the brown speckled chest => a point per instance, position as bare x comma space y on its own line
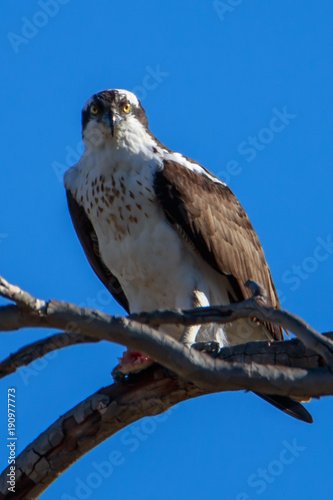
117, 201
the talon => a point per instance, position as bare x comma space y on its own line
117, 375
212, 347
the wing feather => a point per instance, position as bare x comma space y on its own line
89, 242
212, 219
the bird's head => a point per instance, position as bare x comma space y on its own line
112, 117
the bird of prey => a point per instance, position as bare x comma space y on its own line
161, 231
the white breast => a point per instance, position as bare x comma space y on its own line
154, 266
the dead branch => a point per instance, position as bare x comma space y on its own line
301, 367
39, 349
92, 422
200, 369
113, 408
286, 353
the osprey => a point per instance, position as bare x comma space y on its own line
161, 231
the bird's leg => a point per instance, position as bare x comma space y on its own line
188, 338
190, 333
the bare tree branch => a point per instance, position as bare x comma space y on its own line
246, 309
290, 353
200, 369
39, 349
90, 423
300, 367
113, 408
31, 307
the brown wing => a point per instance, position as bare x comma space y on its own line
89, 242
210, 216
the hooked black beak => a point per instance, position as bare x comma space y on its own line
110, 120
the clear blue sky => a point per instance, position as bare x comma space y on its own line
215, 79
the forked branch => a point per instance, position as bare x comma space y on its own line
301, 367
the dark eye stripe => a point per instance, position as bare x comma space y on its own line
107, 98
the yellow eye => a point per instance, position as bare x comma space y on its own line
94, 109
127, 108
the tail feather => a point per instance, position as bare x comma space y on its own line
288, 405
